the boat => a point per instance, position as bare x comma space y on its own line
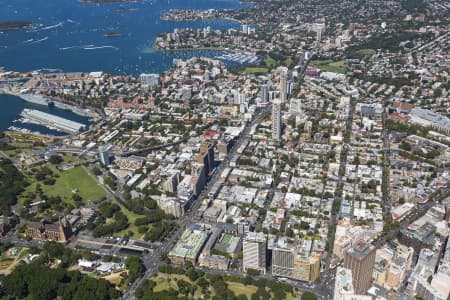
36, 99
112, 34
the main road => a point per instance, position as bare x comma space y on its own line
153, 260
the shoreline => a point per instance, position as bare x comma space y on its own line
192, 49
58, 104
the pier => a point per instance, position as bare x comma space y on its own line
52, 121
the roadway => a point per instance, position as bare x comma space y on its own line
328, 273
153, 260
385, 181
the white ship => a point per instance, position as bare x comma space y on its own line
36, 99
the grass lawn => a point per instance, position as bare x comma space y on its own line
131, 218
162, 281
70, 158
256, 70
290, 297
239, 288
366, 52
21, 147
288, 62
167, 281
270, 62
25, 142
330, 66
6, 262
75, 178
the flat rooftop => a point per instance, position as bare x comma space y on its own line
190, 244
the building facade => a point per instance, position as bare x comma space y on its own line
360, 259
59, 231
255, 247
283, 259
276, 120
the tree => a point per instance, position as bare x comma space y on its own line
97, 171
289, 232
38, 281
202, 283
135, 267
55, 159
253, 272
308, 296
77, 198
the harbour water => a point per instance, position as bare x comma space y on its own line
70, 34
12, 106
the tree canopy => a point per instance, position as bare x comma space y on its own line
37, 281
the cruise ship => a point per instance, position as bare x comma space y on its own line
36, 99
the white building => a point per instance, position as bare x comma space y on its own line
254, 250
149, 80
276, 120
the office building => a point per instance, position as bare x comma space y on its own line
276, 120
295, 108
215, 262
171, 205
307, 268
149, 80
426, 291
360, 259
206, 157
283, 258
264, 93
283, 86
103, 153
172, 181
254, 250
198, 180
295, 260
189, 245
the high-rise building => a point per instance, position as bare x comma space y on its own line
254, 250
198, 178
307, 268
295, 107
149, 80
171, 182
295, 260
103, 153
276, 120
360, 259
283, 258
264, 93
206, 157
283, 86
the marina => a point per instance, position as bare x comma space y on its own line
241, 57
